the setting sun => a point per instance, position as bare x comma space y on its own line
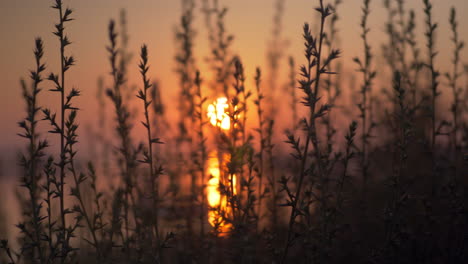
218, 115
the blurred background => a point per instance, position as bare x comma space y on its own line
153, 22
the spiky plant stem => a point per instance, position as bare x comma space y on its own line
434, 84
60, 29
35, 148
368, 76
389, 48
292, 88
329, 83
186, 71
62, 117
123, 128
203, 151
148, 156
271, 171
275, 54
453, 80
413, 81
49, 171
430, 36
65, 64
260, 130
349, 154
313, 53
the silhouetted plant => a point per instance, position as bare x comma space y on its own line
148, 156
201, 154
453, 78
310, 85
365, 67
33, 228
126, 149
275, 53
185, 69
221, 60
433, 86
65, 128
262, 141
332, 83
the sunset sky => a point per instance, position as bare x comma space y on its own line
152, 22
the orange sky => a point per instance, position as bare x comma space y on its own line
152, 22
